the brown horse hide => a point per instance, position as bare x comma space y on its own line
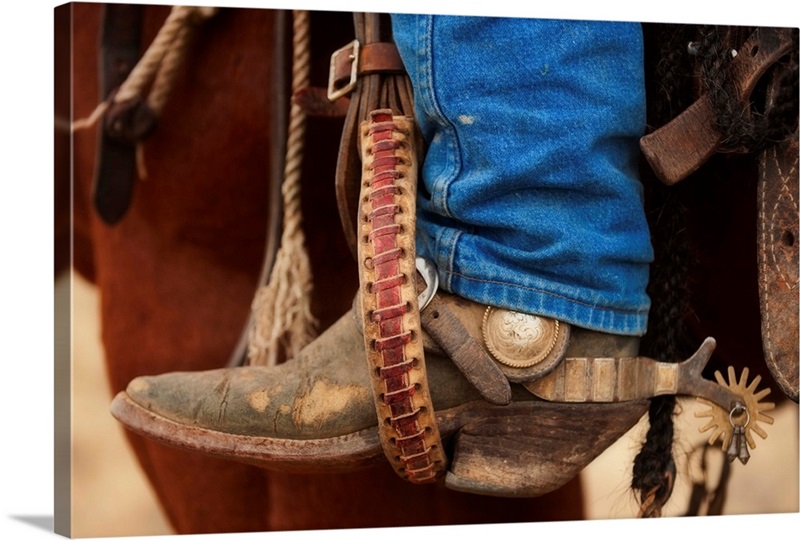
177, 274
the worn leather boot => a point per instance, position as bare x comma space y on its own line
317, 412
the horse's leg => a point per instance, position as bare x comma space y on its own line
340, 501
176, 275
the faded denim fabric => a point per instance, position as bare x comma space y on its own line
529, 196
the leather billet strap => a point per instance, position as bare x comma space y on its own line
389, 305
115, 167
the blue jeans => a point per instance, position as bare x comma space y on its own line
529, 195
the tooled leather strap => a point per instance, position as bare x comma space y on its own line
389, 308
778, 232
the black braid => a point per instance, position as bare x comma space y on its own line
654, 467
745, 128
666, 340
673, 73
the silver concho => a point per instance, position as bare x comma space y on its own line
518, 339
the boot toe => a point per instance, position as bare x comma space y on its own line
203, 399
240, 402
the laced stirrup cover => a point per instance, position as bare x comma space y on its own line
390, 312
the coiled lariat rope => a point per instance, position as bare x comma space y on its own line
156, 70
282, 308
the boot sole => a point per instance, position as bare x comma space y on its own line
524, 449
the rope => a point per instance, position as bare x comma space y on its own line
158, 66
282, 308
654, 469
156, 70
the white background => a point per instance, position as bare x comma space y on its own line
26, 209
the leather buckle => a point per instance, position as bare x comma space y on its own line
336, 88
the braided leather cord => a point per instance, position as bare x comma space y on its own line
392, 335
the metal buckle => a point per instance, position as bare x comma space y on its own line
431, 278
352, 50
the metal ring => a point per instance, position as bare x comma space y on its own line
736, 407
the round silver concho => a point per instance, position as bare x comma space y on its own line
518, 340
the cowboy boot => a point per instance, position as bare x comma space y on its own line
441, 384
317, 413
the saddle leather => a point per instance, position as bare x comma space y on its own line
380, 57
778, 262
373, 58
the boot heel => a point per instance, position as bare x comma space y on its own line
530, 449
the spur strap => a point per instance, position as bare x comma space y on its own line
460, 343
389, 305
